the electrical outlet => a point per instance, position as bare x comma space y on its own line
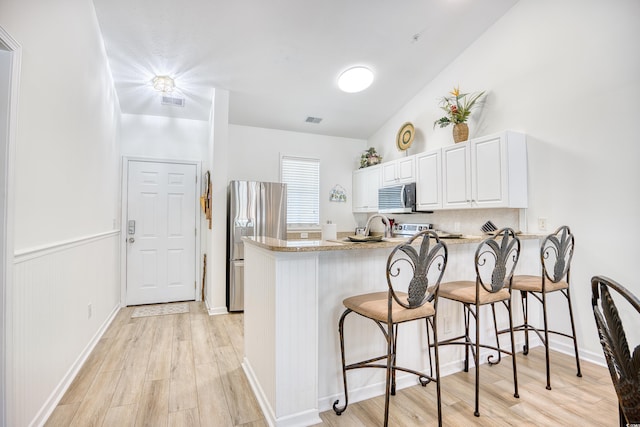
304, 235
456, 227
446, 327
542, 224
89, 311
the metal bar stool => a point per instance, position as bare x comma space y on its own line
624, 365
495, 261
422, 272
556, 252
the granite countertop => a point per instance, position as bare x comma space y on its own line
278, 245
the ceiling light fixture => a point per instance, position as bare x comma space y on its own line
355, 79
164, 84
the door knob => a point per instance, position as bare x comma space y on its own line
131, 240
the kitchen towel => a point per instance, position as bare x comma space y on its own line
329, 231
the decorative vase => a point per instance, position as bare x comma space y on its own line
460, 132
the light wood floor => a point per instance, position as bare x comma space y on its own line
184, 370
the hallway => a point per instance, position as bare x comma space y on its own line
177, 370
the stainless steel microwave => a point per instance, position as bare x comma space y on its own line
397, 199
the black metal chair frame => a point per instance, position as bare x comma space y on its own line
500, 253
624, 365
557, 246
430, 256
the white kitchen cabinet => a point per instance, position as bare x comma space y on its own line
429, 180
366, 182
486, 172
399, 171
456, 176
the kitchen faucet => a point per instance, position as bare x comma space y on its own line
385, 221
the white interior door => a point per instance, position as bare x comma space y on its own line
161, 232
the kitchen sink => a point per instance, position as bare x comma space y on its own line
346, 240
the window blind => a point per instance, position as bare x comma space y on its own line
302, 177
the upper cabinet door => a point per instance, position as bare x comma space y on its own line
365, 189
399, 171
406, 169
499, 171
429, 181
456, 182
389, 174
489, 168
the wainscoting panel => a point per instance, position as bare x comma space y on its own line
62, 298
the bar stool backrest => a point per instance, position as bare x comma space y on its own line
418, 272
556, 253
496, 259
624, 366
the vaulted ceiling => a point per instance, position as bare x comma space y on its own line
280, 59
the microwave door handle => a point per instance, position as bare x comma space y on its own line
402, 197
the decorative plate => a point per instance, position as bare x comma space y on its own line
405, 136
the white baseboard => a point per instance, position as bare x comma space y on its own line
306, 418
566, 347
214, 311
50, 405
367, 392
267, 411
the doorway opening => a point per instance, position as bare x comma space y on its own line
161, 227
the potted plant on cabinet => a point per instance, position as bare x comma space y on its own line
458, 108
369, 158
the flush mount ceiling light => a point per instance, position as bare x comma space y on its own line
164, 84
355, 79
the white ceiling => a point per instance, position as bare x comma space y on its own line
280, 59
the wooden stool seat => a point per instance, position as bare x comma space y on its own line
375, 306
534, 284
465, 292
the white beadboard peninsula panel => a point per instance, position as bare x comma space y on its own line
281, 339
297, 334
259, 316
51, 329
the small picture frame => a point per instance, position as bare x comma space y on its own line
338, 194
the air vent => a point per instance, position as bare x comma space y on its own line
169, 100
315, 120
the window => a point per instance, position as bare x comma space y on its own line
302, 177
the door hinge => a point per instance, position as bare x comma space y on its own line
195, 232
195, 285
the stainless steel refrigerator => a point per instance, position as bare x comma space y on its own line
254, 209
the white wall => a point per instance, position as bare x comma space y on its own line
567, 74
217, 236
254, 154
67, 150
164, 137
66, 198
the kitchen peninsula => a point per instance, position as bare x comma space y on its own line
293, 300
